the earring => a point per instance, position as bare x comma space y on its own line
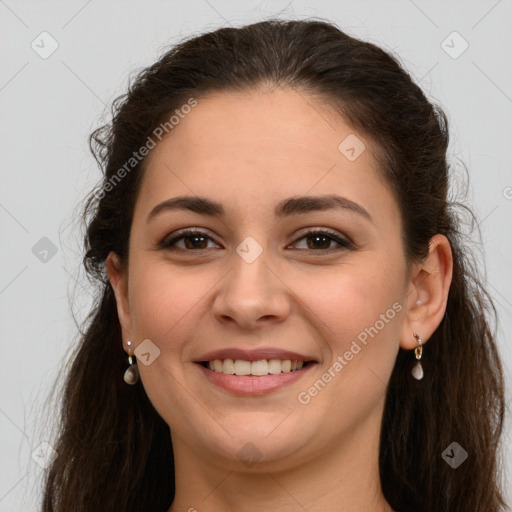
131, 375
417, 369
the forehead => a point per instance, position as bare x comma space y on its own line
257, 147
282, 121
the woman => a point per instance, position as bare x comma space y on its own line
287, 316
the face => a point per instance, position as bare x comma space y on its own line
276, 277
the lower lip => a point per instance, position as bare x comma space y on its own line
250, 385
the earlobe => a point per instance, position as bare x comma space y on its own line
427, 297
119, 282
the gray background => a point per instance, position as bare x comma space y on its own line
50, 105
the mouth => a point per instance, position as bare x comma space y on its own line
254, 372
257, 377
259, 368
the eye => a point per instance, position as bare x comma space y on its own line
321, 240
194, 239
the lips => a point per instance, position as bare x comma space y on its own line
254, 372
249, 385
255, 355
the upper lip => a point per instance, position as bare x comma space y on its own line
254, 355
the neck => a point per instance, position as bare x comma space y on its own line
344, 479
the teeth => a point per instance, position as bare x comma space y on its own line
258, 368
274, 366
241, 367
286, 366
228, 367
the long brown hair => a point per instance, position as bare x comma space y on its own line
115, 451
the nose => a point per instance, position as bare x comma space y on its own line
252, 295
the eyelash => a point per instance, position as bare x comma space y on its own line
167, 243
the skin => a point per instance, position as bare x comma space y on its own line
250, 151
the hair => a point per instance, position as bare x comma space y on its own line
109, 431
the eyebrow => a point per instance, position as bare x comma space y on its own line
285, 208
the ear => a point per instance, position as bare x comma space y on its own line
119, 281
427, 294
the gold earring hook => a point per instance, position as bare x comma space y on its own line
418, 351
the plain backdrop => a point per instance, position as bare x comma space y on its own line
49, 104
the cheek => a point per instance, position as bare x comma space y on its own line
355, 316
163, 299
350, 298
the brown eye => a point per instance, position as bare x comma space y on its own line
321, 240
192, 240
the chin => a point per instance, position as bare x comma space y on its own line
266, 441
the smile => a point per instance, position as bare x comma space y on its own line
258, 368
225, 374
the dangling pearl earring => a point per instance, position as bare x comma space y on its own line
131, 375
417, 369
